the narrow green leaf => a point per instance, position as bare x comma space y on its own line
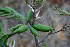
45, 45
18, 18
5, 15
10, 9
42, 2
14, 28
2, 9
5, 10
1, 30
12, 43
36, 0
21, 29
4, 38
29, 15
1, 13
19, 25
33, 31
11, 17
42, 28
54, 8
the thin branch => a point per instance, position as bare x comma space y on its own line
33, 14
37, 15
39, 8
37, 45
33, 2
2, 45
63, 29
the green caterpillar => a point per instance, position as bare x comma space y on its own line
43, 28
33, 31
29, 15
21, 29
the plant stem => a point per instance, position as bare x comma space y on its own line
37, 45
63, 29
33, 14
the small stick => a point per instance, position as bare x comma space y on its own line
63, 29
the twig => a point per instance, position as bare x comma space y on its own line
37, 45
2, 45
39, 8
33, 2
63, 29
33, 18
33, 14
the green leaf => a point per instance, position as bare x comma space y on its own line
1, 30
21, 29
4, 38
42, 2
2, 9
29, 15
60, 13
35, 3
9, 11
33, 31
63, 11
54, 8
42, 28
45, 45
5, 15
19, 25
14, 28
11, 17
36, 0
19, 16
5, 10
1, 13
